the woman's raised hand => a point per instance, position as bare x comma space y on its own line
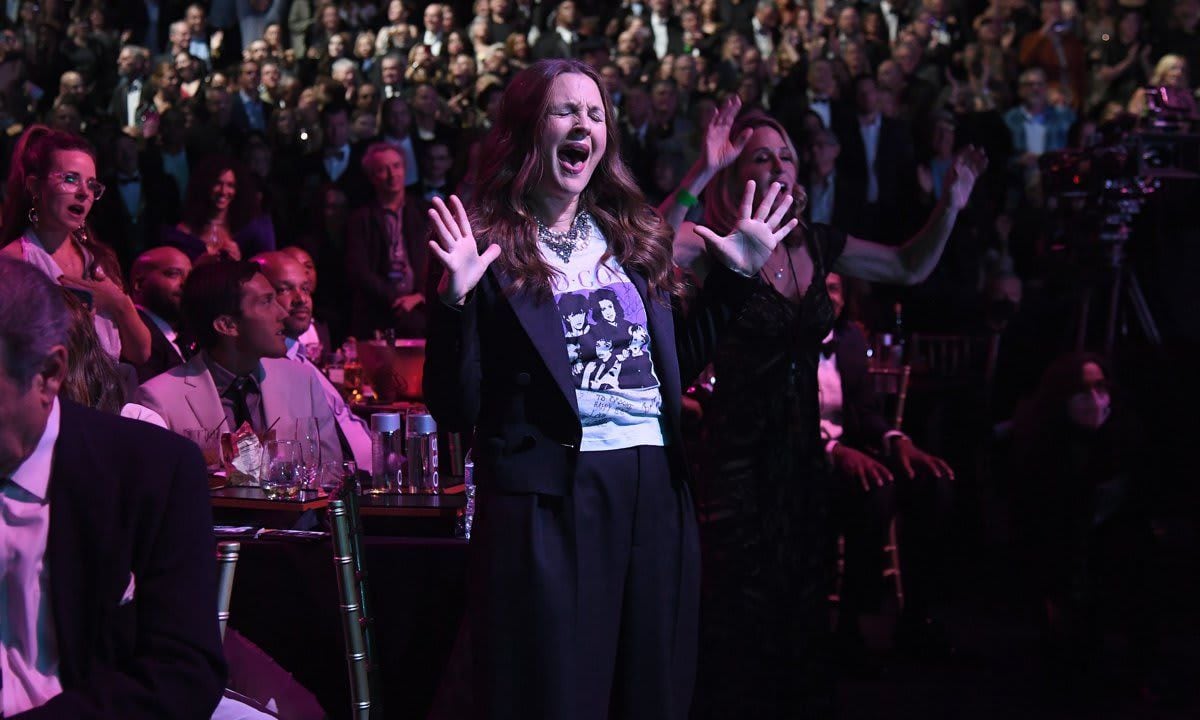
960, 178
746, 248
456, 249
719, 150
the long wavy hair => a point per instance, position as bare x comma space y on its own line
723, 196
198, 207
502, 212
34, 157
92, 376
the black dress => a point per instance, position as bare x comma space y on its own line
764, 509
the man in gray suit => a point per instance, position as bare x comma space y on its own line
241, 374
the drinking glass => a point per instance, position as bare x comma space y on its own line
309, 437
210, 444
336, 473
283, 469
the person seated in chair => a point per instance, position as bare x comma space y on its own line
241, 374
292, 292
879, 473
156, 287
106, 546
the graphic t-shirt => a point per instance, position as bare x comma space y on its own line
608, 345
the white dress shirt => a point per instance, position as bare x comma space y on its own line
434, 41
352, 427
28, 643
762, 39
662, 38
822, 107
821, 198
1035, 132
133, 100
891, 18
165, 328
829, 394
335, 165
412, 171
870, 138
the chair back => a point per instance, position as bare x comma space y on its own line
892, 383
227, 557
950, 358
355, 623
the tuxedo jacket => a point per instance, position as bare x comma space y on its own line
863, 424
163, 355
130, 234
895, 170
132, 577
499, 364
118, 108
186, 397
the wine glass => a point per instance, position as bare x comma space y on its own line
309, 437
283, 469
338, 473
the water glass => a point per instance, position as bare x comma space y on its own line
284, 469
338, 473
209, 442
309, 437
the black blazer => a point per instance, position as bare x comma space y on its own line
895, 169
522, 404
368, 260
130, 500
863, 424
163, 356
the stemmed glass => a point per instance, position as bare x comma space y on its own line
309, 437
337, 473
283, 469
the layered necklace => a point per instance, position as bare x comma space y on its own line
563, 244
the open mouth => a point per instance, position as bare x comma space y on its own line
76, 209
573, 156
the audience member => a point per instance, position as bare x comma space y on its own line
386, 252
293, 291
240, 374
109, 573
222, 215
156, 285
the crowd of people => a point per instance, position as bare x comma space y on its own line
481, 174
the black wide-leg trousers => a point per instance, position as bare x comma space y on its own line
586, 606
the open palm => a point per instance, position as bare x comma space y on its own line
719, 150
960, 178
757, 232
456, 249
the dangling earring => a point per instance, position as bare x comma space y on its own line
33, 216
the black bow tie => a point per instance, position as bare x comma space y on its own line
829, 348
819, 99
338, 155
129, 180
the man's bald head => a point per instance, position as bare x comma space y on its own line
156, 281
292, 290
301, 256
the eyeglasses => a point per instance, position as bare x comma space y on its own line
70, 182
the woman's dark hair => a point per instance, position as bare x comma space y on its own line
1040, 419
213, 289
34, 157
198, 208
503, 213
92, 376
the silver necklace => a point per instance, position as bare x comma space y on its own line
563, 244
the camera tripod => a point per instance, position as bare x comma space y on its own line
1119, 286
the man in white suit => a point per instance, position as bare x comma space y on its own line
241, 374
293, 292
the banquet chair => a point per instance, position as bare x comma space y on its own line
227, 558
356, 623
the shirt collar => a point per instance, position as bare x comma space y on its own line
293, 347
223, 378
33, 474
161, 324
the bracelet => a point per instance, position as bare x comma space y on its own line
686, 199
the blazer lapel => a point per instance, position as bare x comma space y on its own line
543, 325
201, 395
76, 512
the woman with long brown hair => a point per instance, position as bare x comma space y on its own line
584, 562
222, 213
50, 191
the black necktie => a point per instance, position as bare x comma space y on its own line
237, 393
828, 348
